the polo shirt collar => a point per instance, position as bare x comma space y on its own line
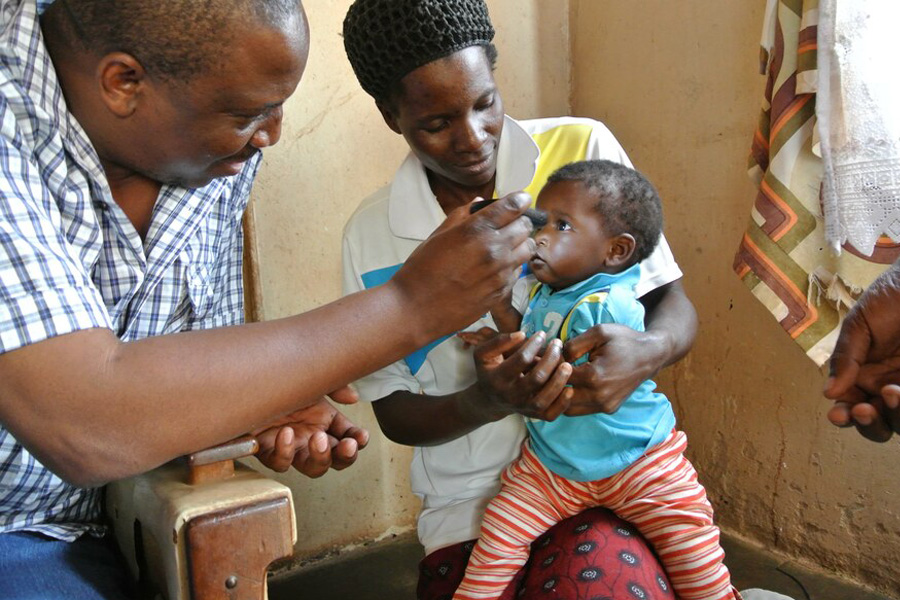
599, 281
414, 212
517, 158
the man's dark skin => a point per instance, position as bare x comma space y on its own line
865, 366
113, 409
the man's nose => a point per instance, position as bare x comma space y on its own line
269, 131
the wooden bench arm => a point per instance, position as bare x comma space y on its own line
218, 462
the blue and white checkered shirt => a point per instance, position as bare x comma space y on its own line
70, 259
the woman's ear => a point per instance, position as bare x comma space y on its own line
387, 113
620, 250
121, 79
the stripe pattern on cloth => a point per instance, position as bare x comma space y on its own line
783, 257
659, 494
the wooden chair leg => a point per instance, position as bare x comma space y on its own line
203, 528
229, 551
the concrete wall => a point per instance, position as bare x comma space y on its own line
334, 151
677, 83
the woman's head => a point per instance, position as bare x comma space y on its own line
429, 65
386, 39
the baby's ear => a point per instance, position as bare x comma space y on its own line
619, 251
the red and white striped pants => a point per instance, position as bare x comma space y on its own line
659, 494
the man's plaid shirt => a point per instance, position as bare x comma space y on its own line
70, 259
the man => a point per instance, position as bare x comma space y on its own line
129, 139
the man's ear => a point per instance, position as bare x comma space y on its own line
387, 113
122, 78
620, 249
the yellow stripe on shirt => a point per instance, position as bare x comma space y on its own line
559, 146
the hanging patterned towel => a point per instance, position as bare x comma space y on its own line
783, 257
858, 108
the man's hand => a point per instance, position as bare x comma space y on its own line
620, 360
516, 378
467, 265
313, 439
876, 418
865, 365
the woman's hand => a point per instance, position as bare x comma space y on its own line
516, 377
620, 360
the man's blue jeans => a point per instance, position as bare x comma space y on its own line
35, 567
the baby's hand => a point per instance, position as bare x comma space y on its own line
473, 338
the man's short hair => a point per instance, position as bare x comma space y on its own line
173, 39
624, 198
387, 39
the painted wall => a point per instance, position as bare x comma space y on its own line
677, 82
334, 151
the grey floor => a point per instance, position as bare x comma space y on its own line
387, 571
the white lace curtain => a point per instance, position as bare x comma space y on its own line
858, 113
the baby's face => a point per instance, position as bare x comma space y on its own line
573, 245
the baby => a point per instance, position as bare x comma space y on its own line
603, 218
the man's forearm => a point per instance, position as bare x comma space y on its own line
93, 408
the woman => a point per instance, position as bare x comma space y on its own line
429, 67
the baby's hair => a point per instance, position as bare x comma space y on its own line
625, 199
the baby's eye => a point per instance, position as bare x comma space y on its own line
563, 225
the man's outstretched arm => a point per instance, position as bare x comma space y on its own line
93, 408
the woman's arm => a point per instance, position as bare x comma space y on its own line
622, 358
511, 379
